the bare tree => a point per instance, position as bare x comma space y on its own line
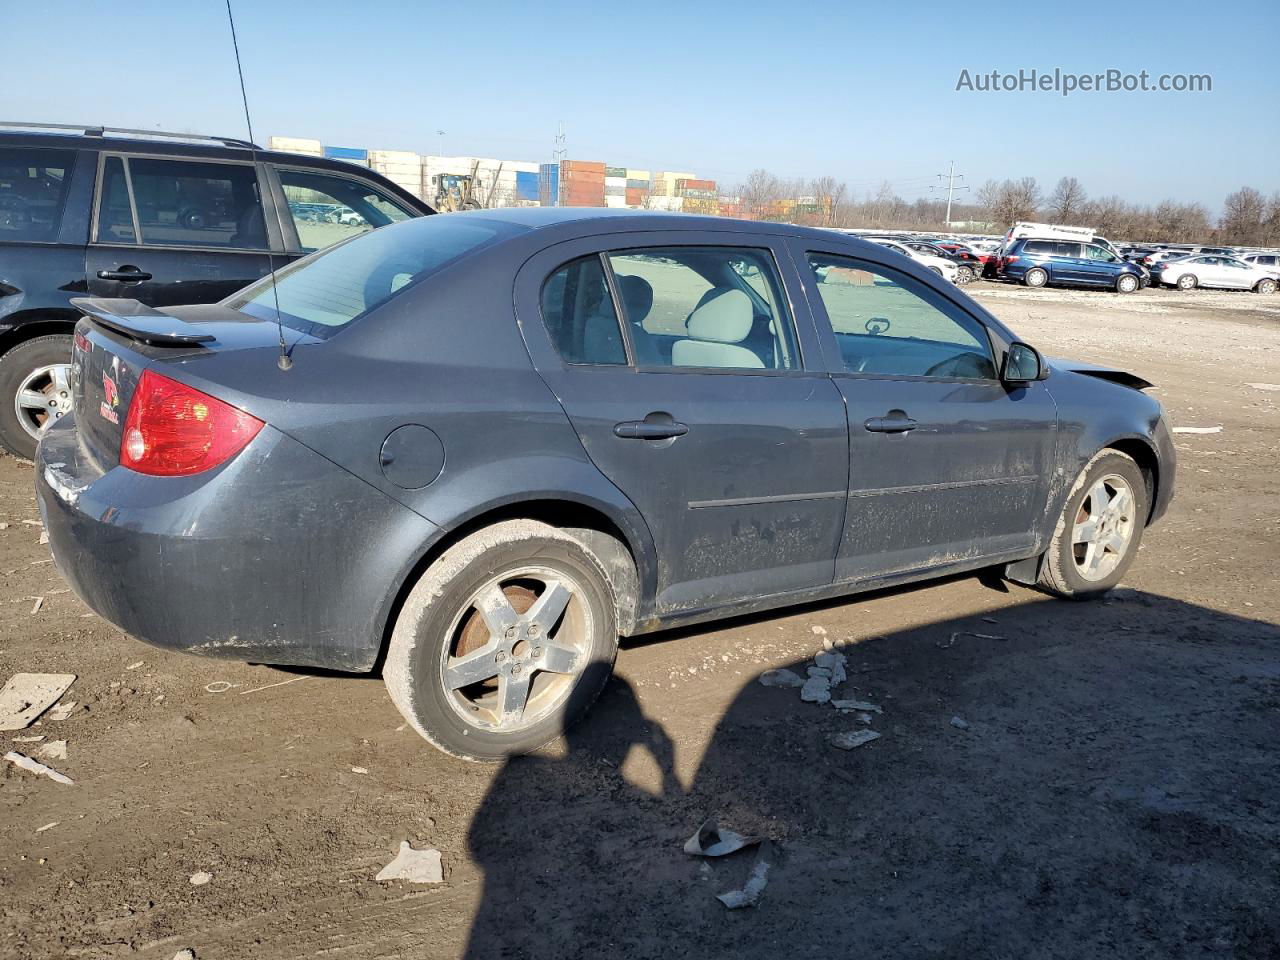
828, 193
1067, 200
762, 195
1243, 215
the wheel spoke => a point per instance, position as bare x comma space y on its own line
33, 400
512, 694
548, 608
61, 377
496, 610
1115, 543
558, 659
1098, 499
1084, 532
1119, 503
475, 667
1092, 554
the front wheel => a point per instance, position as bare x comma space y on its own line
1187, 281
1265, 286
35, 391
1035, 277
1127, 283
965, 274
1100, 528
504, 642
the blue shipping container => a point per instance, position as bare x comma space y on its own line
347, 153
527, 185
549, 184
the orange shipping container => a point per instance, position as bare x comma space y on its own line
582, 165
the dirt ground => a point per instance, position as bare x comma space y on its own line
1116, 792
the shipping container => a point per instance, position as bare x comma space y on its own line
347, 153
615, 181
638, 175
583, 165
616, 203
635, 198
527, 185
635, 184
690, 184
303, 145
549, 184
615, 172
615, 191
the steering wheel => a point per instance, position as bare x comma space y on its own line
877, 325
967, 364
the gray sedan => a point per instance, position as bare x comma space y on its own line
474, 450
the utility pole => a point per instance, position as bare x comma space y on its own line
951, 177
558, 154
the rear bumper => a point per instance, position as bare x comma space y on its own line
278, 557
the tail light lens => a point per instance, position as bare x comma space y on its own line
174, 430
1005, 261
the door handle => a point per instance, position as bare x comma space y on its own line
900, 423
124, 276
649, 429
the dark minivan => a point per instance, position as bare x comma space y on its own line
1039, 263
160, 218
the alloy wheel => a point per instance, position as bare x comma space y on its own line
43, 398
1103, 528
516, 649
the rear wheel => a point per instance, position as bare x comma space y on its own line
1265, 286
964, 274
1035, 277
1127, 283
1188, 281
1100, 528
35, 391
504, 642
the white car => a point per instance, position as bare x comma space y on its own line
1227, 273
943, 268
1267, 261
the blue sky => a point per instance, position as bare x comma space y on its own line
862, 92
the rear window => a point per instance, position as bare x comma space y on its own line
33, 188
328, 290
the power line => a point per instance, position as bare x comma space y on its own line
951, 177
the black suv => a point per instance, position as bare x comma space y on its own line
161, 218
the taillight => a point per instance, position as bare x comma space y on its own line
174, 430
1007, 260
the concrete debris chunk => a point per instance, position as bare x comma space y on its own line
818, 631
35, 607
360, 770
711, 841
781, 678
833, 662
753, 889
1197, 429
28, 739
1270, 387
816, 690
851, 739
48, 826
960, 723
860, 705
951, 642
819, 672
38, 768
185, 954
53, 750
27, 695
415, 866
63, 710
200, 878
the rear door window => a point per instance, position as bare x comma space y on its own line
1066, 249
33, 191
190, 203
327, 208
580, 315
1038, 246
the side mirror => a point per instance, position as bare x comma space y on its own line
1023, 364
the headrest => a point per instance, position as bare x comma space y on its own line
637, 296
724, 317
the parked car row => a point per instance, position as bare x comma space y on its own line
160, 218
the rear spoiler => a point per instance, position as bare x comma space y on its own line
139, 322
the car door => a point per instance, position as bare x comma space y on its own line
1237, 275
1069, 262
1099, 265
171, 230
947, 465
684, 365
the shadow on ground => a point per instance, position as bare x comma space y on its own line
1114, 794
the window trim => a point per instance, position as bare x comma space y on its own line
620, 310
68, 184
822, 318
138, 244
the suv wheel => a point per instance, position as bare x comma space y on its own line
1100, 528
35, 391
1127, 283
504, 642
1187, 281
1265, 286
1035, 277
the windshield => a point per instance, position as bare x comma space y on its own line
321, 294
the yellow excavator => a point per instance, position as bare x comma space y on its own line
462, 191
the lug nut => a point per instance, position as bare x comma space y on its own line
511, 633
500, 656
537, 652
533, 630
515, 669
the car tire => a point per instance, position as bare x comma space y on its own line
29, 365
559, 654
1100, 528
1188, 281
1265, 286
937, 270
965, 274
1035, 277
1127, 283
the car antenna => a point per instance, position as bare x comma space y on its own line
284, 361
